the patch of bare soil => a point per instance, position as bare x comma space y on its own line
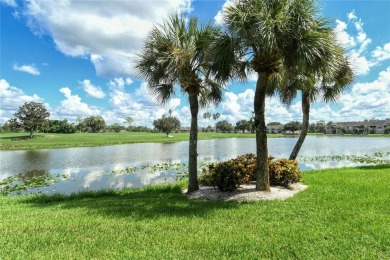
247, 192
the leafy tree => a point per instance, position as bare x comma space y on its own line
115, 128
59, 126
167, 124
129, 120
274, 123
387, 130
224, 126
318, 127
265, 37
292, 126
243, 125
32, 116
177, 53
12, 125
342, 129
138, 129
94, 124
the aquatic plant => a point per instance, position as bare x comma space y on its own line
376, 158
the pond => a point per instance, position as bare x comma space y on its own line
72, 170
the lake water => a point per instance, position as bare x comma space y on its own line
108, 167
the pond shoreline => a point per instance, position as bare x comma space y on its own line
18, 141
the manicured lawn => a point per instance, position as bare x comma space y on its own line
21, 141
344, 214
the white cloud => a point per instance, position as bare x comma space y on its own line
72, 107
352, 15
368, 100
11, 98
141, 106
219, 17
109, 33
11, 3
381, 53
91, 90
357, 45
31, 69
346, 40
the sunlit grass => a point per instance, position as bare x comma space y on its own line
344, 214
40, 140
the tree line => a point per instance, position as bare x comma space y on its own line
33, 117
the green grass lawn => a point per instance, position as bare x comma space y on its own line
21, 141
344, 214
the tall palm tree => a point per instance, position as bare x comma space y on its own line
176, 53
263, 36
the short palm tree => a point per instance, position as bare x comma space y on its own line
327, 81
176, 53
264, 36
328, 90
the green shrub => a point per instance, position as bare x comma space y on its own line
229, 175
284, 172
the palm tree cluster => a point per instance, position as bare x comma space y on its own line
286, 43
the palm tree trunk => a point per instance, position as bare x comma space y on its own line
31, 134
305, 125
193, 147
262, 180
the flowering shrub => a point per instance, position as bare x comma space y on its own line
284, 172
229, 175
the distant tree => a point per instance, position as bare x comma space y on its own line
138, 129
206, 116
387, 130
115, 128
224, 126
216, 116
129, 120
318, 127
274, 123
252, 122
59, 126
243, 125
12, 125
32, 116
342, 129
293, 126
94, 124
167, 125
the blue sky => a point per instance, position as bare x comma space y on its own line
77, 56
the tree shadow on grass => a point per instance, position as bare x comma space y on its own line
148, 203
21, 138
375, 167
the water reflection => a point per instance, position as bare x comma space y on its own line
93, 168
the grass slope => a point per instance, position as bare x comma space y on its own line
40, 141
344, 214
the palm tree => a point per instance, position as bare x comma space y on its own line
176, 53
327, 81
206, 115
328, 90
263, 37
